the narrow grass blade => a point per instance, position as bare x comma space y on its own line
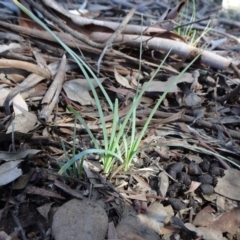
144, 129
84, 153
81, 120
135, 103
82, 66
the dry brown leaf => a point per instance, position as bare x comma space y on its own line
73, 192
44, 210
9, 156
204, 218
24, 123
173, 13
9, 171
159, 86
229, 184
142, 185
19, 105
78, 90
205, 232
43, 192
225, 222
121, 80
194, 185
141, 197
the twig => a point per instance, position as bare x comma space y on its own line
63, 26
51, 97
30, 67
193, 22
13, 138
228, 22
115, 35
235, 91
28, 83
186, 118
198, 27
204, 145
148, 195
19, 226
105, 183
180, 26
72, 42
163, 44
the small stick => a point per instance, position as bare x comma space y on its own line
235, 91
115, 35
19, 226
63, 26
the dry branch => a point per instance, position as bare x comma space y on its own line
52, 95
30, 82
162, 44
5, 63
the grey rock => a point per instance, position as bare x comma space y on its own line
80, 219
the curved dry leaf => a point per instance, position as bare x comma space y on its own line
78, 90
19, 105
45, 209
194, 185
9, 171
77, 93
159, 86
121, 80
205, 233
192, 99
23, 123
225, 222
30, 67
229, 184
173, 13
9, 156
163, 183
42, 192
31, 81
4, 47
3, 94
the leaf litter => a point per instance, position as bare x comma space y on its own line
173, 189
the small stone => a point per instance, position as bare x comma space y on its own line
194, 169
216, 171
177, 167
205, 178
204, 165
176, 204
80, 219
173, 189
206, 189
184, 178
172, 173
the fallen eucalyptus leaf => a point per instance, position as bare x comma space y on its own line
9, 171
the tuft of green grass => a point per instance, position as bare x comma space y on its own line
123, 143
189, 32
76, 169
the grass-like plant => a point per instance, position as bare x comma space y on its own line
124, 141
189, 32
77, 168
